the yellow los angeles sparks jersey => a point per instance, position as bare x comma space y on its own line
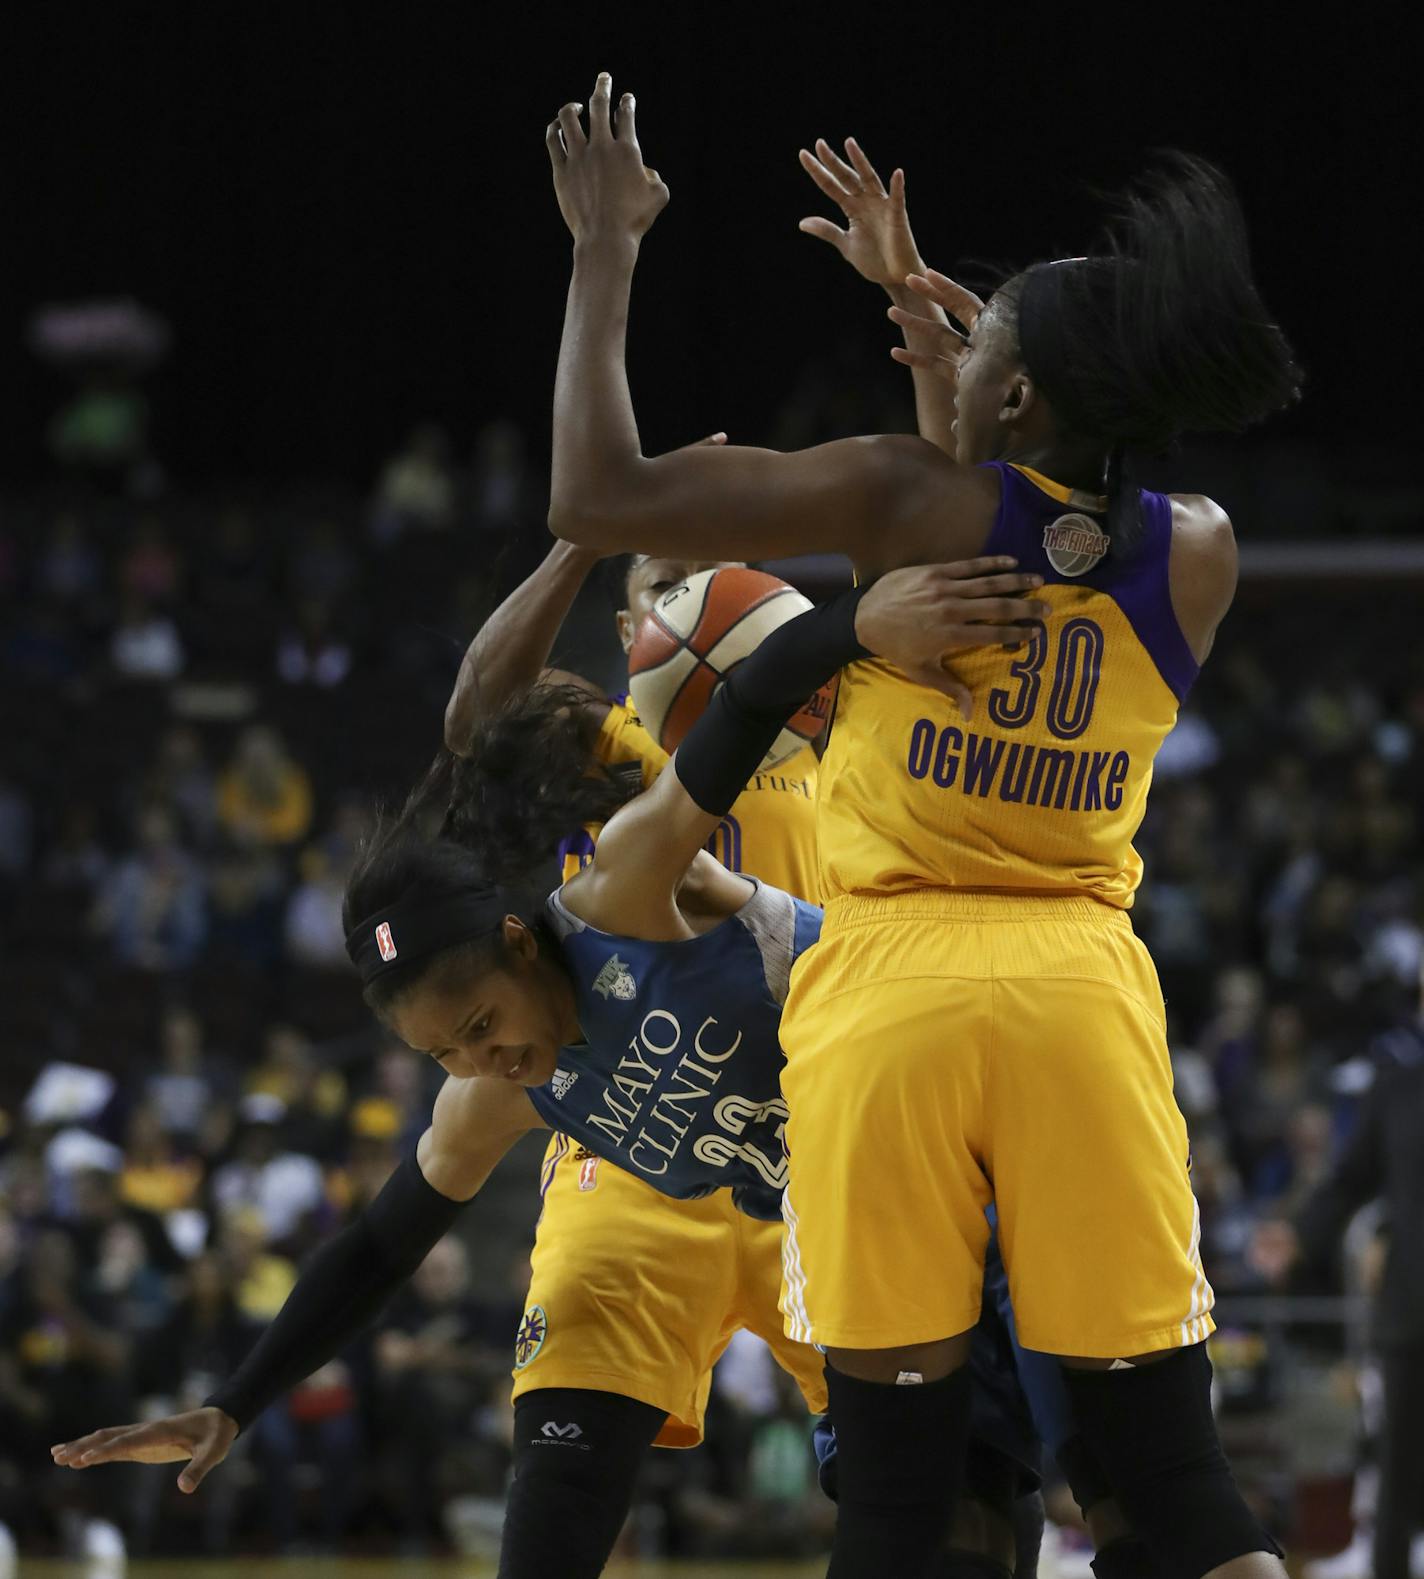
1043, 789
770, 831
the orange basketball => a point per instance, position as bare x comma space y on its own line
696, 634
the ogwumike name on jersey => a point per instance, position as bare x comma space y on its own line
1062, 778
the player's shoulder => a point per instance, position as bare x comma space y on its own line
1199, 524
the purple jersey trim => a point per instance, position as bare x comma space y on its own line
1138, 583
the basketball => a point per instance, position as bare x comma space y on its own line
695, 635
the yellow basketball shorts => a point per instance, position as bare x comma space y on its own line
948, 1050
636, 1293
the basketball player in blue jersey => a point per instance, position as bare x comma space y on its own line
637, 1009
978, 1020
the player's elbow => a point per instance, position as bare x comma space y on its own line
583, 522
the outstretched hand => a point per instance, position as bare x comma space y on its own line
915, 617
877, 241
603, 186
202, 1436
937, 347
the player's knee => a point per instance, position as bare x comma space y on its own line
1151, 1429
576, 1454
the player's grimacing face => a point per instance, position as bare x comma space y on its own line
505, 1021
649, 578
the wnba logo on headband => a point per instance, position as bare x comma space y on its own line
385, 942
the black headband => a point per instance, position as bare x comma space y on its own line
411, 930
1052, 295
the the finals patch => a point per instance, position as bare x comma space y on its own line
1074, 544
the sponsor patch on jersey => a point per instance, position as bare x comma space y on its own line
562, 1082
1074, 544
385, 942
615, 980
533, 1329
588, 1174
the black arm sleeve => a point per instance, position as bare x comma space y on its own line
343, 1286
743, 719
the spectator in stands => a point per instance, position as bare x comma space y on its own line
153, 908
502, 493
151, 568
187, 1084
145, 644
203, 1339
98, 1206
310, 652
283, 1188
1381, 1160
17, 826
62, 1358
76, 861
314, 1097
263, 795
156, 1176
181, 779
234, 567
69, 568
432, 1374
322, 568
312, 929
417, 487
246, 898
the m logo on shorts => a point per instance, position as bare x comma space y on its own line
385, 942
533, 1329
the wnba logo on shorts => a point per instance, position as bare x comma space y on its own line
1074, 544
533, 1329
385, 942
588, 1173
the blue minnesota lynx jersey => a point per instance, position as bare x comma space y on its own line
678, 1079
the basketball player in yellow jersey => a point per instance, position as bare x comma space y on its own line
635, 1292
979, 1019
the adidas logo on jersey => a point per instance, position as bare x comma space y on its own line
615, 980
563, 1082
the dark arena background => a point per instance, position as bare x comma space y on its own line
281, 290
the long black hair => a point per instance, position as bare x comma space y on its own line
484, 825
1161, 331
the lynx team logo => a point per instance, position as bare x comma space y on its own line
615, 980
533, 1329
1074, 544
385, 942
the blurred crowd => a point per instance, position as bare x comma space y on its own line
204, 697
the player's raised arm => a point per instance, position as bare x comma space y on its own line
343, 1286
915, 618
880, 246
868, 497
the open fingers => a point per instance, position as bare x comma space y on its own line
208, 1456
824, 230
945, 365
554, 142
961, 304
571, 129
863, 167
600, 129
627, 120
940, 678
951, 339
845, 173
823, 178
